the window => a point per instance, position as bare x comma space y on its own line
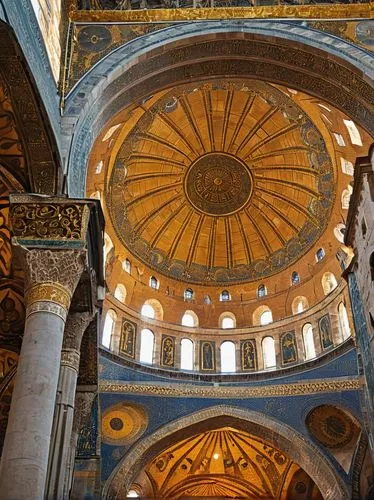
320, 254
339, 139
153, 283
262, 291
120, 293
299, 305
132, 494
109, 323
187, 354
148, 311
99, 167
346, 196
310, 351
329, 283
126, 266
347, 166
188, 294
228, 361
268, 352
345, 329
147, 340
225, 296
207, 300
108, 245
227, 320
339, 232
266, 317
353, 132
190, 318
295, 278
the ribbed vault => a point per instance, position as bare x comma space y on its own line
220, 181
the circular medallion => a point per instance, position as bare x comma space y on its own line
123, 423
330, 426
218, 184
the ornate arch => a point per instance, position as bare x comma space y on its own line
284, 437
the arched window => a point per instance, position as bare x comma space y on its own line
329, 283
266, 317
344, 321
268, 352
310, 351
108, 245
152, 308
154, 283
320, 254
126, 266
346, 196
224, 296
188, 294
132, 494
299, 304
147, 340
207, 300
187, 354
262, 291
190, 318
148, 311
110, 320
227, 320
228, 362
339, 232
295, 278
120, 293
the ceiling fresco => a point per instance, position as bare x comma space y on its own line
226, 463
220, 182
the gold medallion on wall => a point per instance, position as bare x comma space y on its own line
121, 424
331, 426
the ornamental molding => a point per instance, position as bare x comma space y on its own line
185, 390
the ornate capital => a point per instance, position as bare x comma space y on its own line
50, 276
76, 325
70, 358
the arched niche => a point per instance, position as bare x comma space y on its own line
283, 437
316, 63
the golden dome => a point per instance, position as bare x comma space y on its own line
220, 182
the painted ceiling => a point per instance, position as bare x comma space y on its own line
225, 181
227, 463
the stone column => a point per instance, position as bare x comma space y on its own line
50, 240
60, 450
26, 448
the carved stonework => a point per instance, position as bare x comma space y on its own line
76, 325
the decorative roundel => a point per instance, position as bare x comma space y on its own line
94, 38
330, 426
218, 184
123, 423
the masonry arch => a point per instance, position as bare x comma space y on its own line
304, 453
273, 52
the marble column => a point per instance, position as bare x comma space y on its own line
50, 280
60, 450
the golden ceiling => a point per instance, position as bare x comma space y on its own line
220, 182
226, 463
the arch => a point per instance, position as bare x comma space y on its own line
262, 291
339, 232
155, 305
109, 322
190, 318
329, 282
346, 196
225, 296
187, 354
154, 283
228, 357
89, 108
108, 245
258, 316
147, 341
345, 329
308, 339
120, 292
295, 278
302, 451
299, 305
227, 320
268, 352
188, 294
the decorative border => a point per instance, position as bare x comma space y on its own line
53, 292
346, 11
180, 390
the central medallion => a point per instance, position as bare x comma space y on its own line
218, 184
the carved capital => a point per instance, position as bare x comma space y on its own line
51, 276
76, 325
70, 358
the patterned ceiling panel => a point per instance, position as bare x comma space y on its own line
220, 182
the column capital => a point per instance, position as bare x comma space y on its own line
75, 327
